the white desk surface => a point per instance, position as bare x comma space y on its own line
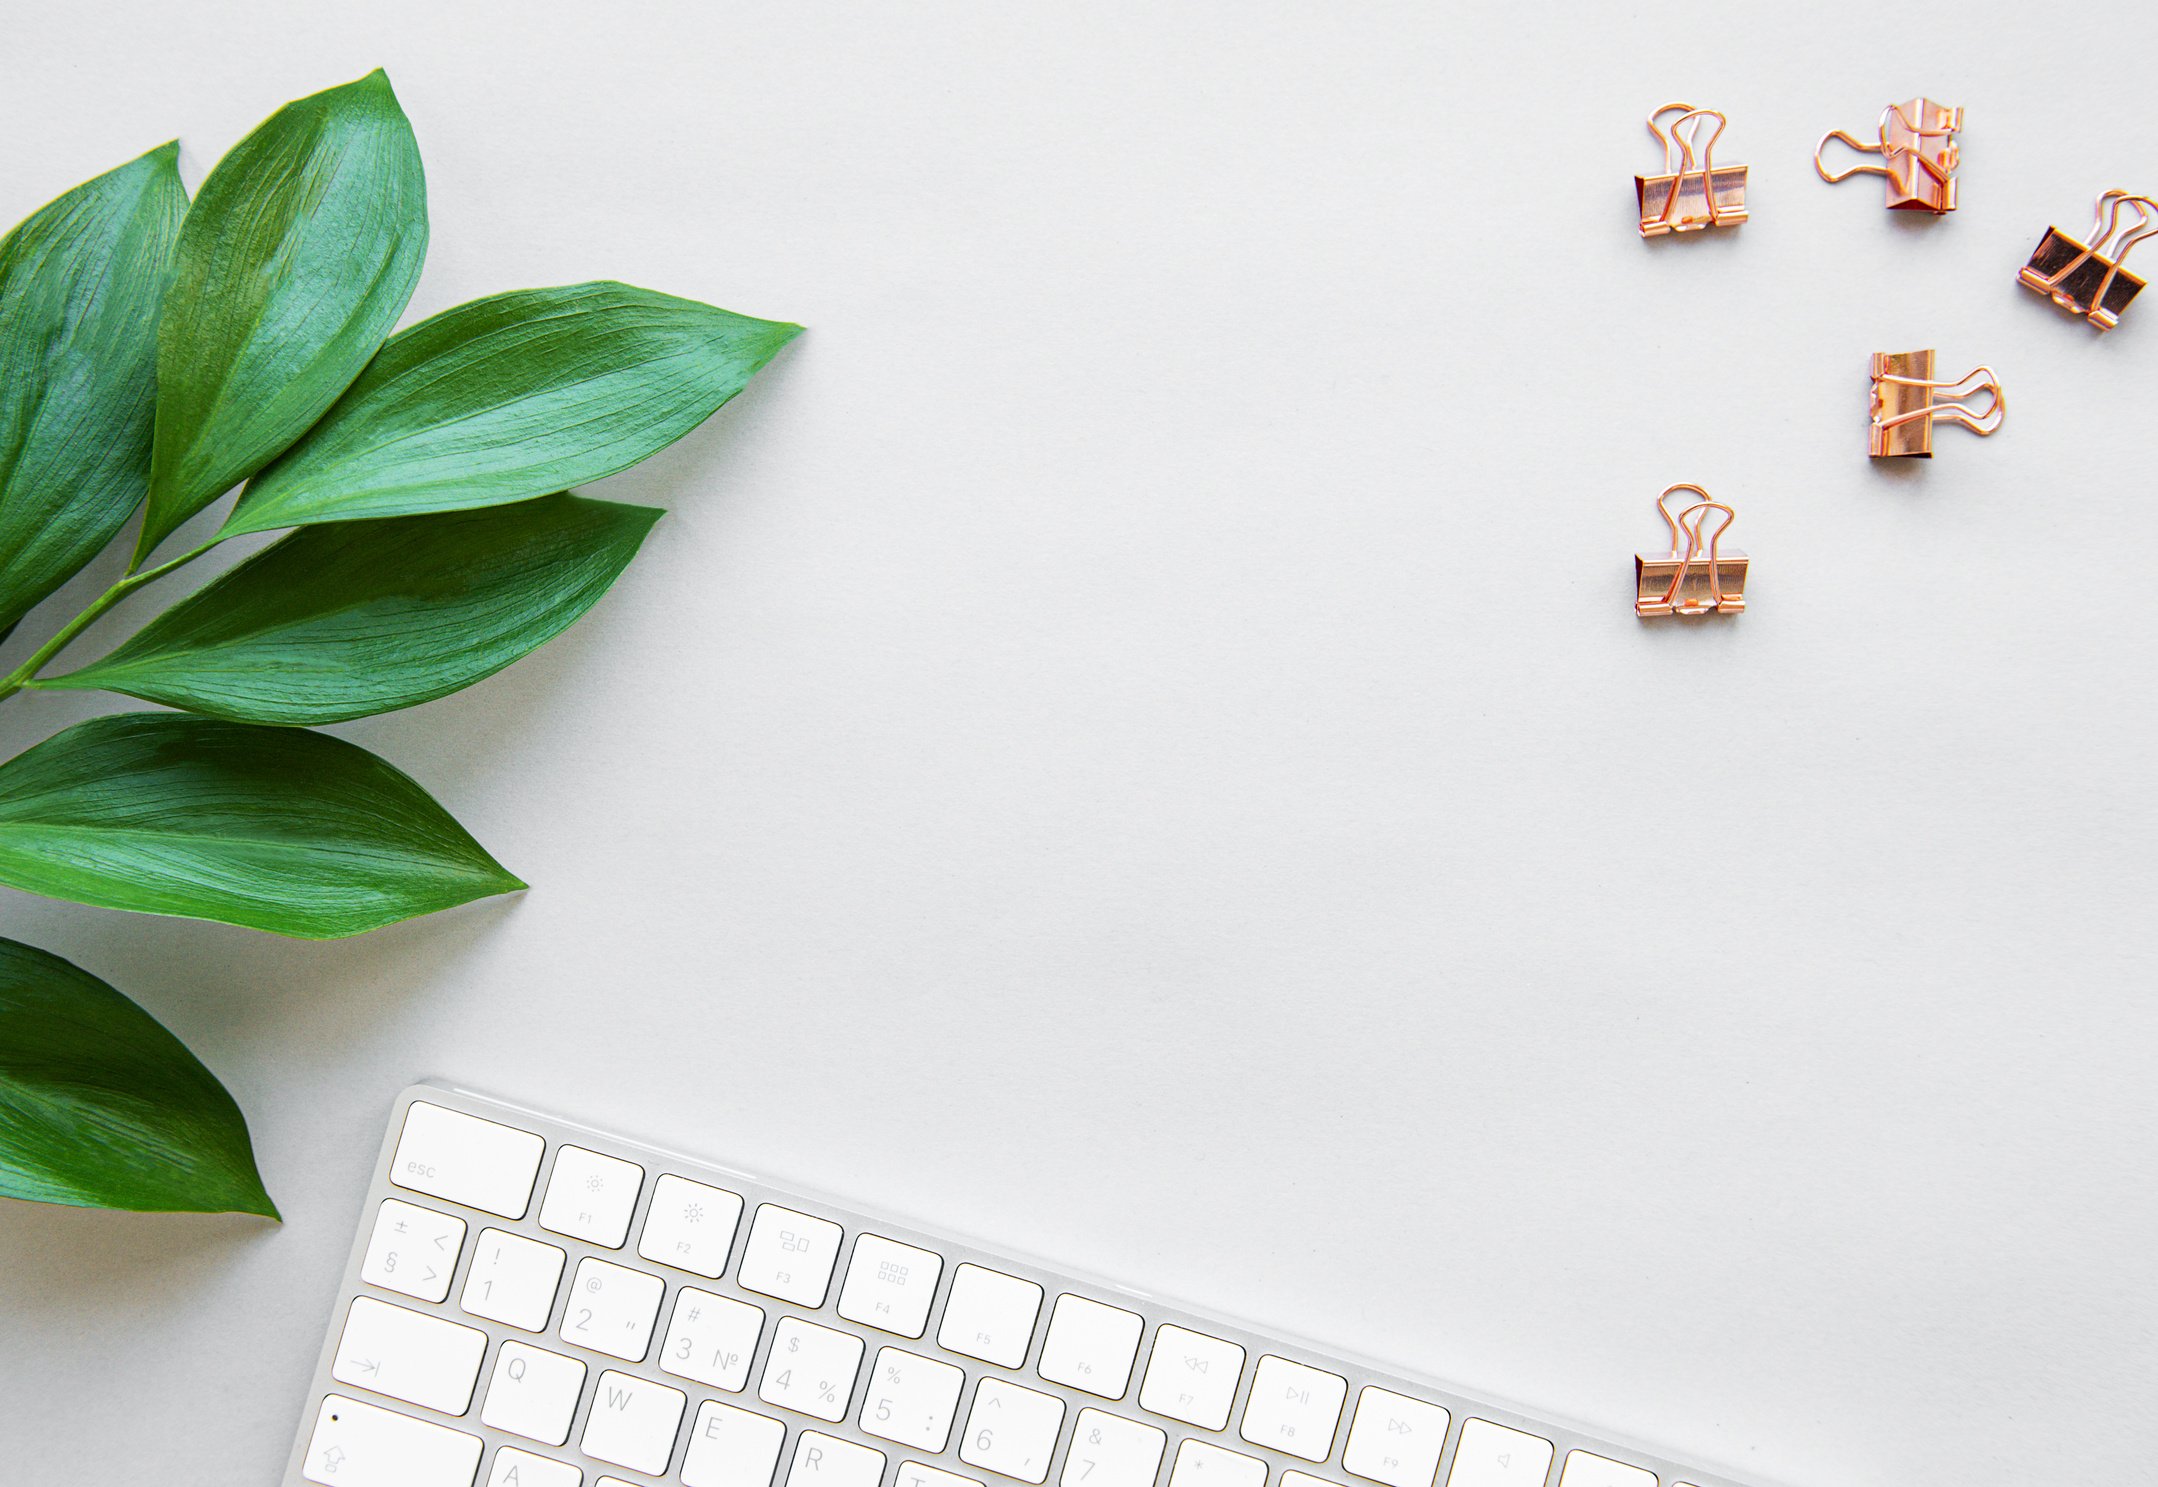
1134, 741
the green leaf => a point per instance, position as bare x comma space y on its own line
100, 1107
300, 254
81, 280
273, 828
511, 397
351, 618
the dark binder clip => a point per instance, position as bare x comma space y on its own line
1906, 401
1697, 576
1686, 197
1918, 155
2090, 281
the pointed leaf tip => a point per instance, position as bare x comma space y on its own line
107, 1109
301, 251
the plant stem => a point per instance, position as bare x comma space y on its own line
22, 675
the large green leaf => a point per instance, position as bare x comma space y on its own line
100, 1107
511, 397
300, 253
80, 284
274, 828
350, 618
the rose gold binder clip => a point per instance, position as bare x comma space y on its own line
2090, 281
1906, 401
1918, 155
1698, 575
1686, 197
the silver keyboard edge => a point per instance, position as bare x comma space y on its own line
1461, 1404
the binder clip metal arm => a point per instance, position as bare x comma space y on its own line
1907, 400
1697, 576
1686, 197
1917, 138
2089, 281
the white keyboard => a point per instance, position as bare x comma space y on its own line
534, 1304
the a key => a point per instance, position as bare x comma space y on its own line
789, 1255
731, 1447
1585, 1469
632, 1422
1497, 1456
1394, 1439
990, 1315
611, 1309
889, 1285
1294, 1478
822, 1460
515, 1468
811, 1369
711, 1339
412, 1250
1199, 1464
1091, 1346
409, 1355
1191, 1377
591, 1197
1110, 1451
1012, 1430
1294, 1408
533, 1393
448, 1154
911, 1399
690, 1226
360, 1445
512, 1280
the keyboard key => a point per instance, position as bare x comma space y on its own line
448, 1154
1191, 1377
611, 1309
1012, 1430
911, 1399
591, 1197
711, 1339
358, 1445
632, 1422
729, 1447
914, 1474
811, 1369
513, 1280
1091, 1346
1584, 1469
990, 1315
1199, 1464
533, 1393
1110, 1451
1395, 1439
410, 1356
690, 1226
789, 1255
1294, 1478
1495, 1456
412, 1250
822, 1460
890, 1285
515, 1468
1294, 1408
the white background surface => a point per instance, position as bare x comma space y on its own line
1134, 742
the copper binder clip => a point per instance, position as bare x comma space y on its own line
2090, 281
1686, 197
1697, 576
1906, 401
1918, 155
